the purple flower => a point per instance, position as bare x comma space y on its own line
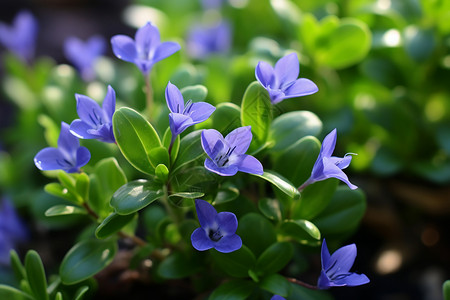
12, 229
227, 155
327, 166
20, 37
203, 41
146, 48
182, 116
335, 268
212, 4
83, 55
281, 82
276, 297
69, 156
96, 122
218, 230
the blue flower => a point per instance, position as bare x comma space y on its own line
69, 156
218, 230
182, 116
83, 55
20, 37
96, 122
227, 155
146, 48
12, 230
203, 41
281, 82
335, 268
327, 166
277, 297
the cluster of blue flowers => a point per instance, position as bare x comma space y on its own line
226, 155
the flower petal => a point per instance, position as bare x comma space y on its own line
83, 156
174, 98
228, 244
264, 74
287, 69
341, 261
324, 282
178, 123
240, 138
164, 50
328, 144
352, 279
276, 96
301, 87
341, 162
331, 170
50, 159
80, 129
201, 111
200, 240
147, 39
67, 142
89, 111
109, 104
206, 214
212, 142
227, 171
124, 47
325, 255
250, 164
227, 223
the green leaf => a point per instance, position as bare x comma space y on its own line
276, 284
315, 198
60, 191
274, 258
290, 127
178, 265
257, 112
270, 208
162, 173
195, 179
225, 194
343, 214
112, 224
225, 118
86, 259
59, 296
10, 293
136, 195
281, 183
303, 153
302, 231
175, 147
36, 275
136, 138
107, 178
16, 264
256, 232
69, 182
185, 199
51, 130
236, 263
446, 290
233, 290
62, 210
82, 186
159, 155
190, 150
195, 93
81, 292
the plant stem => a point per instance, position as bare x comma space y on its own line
149, 95
301, 283
137, 240
90, 211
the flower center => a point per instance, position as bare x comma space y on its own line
215, 236
96, 119
222, 158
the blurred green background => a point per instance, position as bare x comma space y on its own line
383, 72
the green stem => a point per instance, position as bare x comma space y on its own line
149, 95
169, 208
301, 283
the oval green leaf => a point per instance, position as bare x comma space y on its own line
302, 231
112, 224
276, 284
190, 150
256, 232
281, 183
257, 112
136, 138
233, 290
136, 195
36, 275
274, 258
194, 92
10, 293
236, 263
86, 259
61, 210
